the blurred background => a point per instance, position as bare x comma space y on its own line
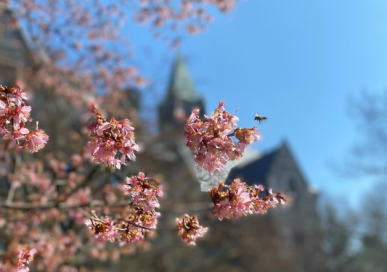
316, 70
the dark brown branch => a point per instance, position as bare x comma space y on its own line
166, 207
138, 226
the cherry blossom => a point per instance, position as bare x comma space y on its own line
143, 191
211, 140
35, 140
25, 257
141, 214
111, 143
103, 227
48, 200
14, 117
62, 197
189, 229
238, 199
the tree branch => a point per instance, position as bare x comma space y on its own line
12, 190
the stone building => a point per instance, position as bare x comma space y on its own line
285, 239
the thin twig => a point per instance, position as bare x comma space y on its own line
12, 190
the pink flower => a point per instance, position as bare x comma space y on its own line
238, 199
17, 134
189, 229
143, 191
14, 116
18, 113
133, 234
247, 135
142, 218
112, 143
35, 140
131, 230
19, 95
3, 108
104, 228
211, 140
25, 257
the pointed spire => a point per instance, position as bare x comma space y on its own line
181, 85
181, 98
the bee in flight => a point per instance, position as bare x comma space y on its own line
259, 118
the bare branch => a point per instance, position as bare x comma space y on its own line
12, 190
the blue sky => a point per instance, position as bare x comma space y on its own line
297, 62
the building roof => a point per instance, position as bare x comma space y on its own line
181, 97
255, 171
181, 86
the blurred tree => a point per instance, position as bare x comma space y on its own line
358, 242
369, 154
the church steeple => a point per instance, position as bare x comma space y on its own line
181, 97
181, 84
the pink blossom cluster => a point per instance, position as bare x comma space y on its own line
14, 116
133, 229
25, 257
190, 229
142, 216
103, 227
112, 143
191, 14
56, 231
212, 140
238, 199
143, 191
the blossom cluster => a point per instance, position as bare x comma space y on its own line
189, 229
14, 116
112, 143
192, 15
25, 257
238, 199
143, 191
58, 232
217, 140
142, 216
103, 227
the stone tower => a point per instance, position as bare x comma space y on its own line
181, 98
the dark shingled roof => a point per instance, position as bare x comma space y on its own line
255, 172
